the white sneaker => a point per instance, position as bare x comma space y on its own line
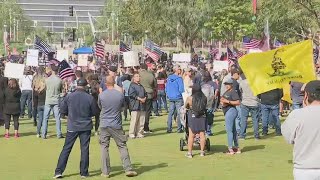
57, 176
132, 136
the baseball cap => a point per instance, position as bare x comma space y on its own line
82, 82
313, 87
187, 69
229, 81
113, 68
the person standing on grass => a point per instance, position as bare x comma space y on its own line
12, 95
111, 102
162, 97
197, 104
3, 86
138, 97
270, 107
229, 100
93, 90
126, 81
39, 99
79, 106
174, 90
301, 128
54, 89
25, 84
249, 104
149, 82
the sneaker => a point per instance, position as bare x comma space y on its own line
147, 132
83, 177
202, 153
57, 176
96, 133
189, 155
132, 136
16, 135
131, 173
169, 131
180, 131
38, 136
7, 136
45, 137
209, 134
105, 175
61, 137
237, 150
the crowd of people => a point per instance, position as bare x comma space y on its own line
116, 93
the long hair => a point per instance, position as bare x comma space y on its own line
39, 84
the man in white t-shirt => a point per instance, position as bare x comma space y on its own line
25, 84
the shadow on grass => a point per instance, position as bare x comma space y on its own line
217, 149
253, 148
118, 170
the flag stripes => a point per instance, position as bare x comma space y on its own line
42, 46
153, 50
65, 70
99, 49
124, 47
249, 43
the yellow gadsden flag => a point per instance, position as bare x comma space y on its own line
272, 69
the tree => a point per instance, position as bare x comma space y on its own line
231, 20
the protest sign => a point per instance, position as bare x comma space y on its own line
130, 59
13, 70
82, 59
62, 55
182, 57
32, 57
220, 65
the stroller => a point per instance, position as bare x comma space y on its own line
184, 140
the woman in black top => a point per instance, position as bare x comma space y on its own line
12, 95
197, 104
229, 100
3, 86
39, 98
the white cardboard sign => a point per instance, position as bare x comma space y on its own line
14, 70
130, 59
32, 57
62, 55
220, 65
82, 59
182, 57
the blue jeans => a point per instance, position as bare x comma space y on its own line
273, 111
40, 110
71, 138
297, 106
238, 120
253, 110
232, 136
26, 98
46, 115
155, 107
174, 105
162, 98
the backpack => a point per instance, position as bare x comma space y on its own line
199, 105
208, 91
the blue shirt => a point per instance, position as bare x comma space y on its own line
126, 85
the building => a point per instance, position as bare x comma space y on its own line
54, 14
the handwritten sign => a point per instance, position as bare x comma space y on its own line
32, 57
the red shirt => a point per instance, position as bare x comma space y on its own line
161, 84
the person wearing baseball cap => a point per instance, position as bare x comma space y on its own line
229, 100
79, 106
301, 129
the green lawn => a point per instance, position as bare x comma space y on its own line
154, 157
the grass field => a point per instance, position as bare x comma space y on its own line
155, 157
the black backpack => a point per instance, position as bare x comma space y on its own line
199, 105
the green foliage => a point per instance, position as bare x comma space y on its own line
231, 20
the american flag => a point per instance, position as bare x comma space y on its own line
231, 55
153, 50
42, 46
65, 70
249, 43
124, 47
213, 52
238, 53
99, 49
